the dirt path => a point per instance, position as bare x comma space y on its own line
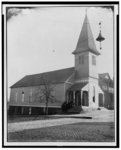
97, 116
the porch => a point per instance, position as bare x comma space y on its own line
79, 98
78, 95
85, 94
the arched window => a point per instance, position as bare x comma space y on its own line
93, 60
22, 96
81, 59
31, 95
94, 94
16, 96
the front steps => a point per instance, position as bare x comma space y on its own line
90, 109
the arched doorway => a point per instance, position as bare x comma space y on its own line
85, 101
111, 100
77, 98
93, 94
101, 100
70, 96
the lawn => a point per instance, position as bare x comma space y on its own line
78, 132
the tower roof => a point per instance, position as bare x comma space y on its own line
86, 41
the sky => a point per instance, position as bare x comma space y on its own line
42, 39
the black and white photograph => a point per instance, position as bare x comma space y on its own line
60, 74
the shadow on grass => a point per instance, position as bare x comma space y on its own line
19, 118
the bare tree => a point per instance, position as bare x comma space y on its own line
45, 93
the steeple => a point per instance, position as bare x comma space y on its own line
86, 41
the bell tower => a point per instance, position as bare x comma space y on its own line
86, 54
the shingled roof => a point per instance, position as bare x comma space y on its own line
55, 77
77, 86
58, 76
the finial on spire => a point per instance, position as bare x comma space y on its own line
86, 11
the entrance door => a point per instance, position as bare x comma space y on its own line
85, 101
100, 100
77, 98
111, 101
70, 96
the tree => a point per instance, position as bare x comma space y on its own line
45, 93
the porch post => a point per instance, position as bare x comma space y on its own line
30, 110
67, 97
74, 97
103, 99
81, 96
22, 109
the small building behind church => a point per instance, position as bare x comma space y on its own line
80, 85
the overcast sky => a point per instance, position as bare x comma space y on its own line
43, 39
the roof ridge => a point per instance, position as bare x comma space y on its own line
56, 76
50, 71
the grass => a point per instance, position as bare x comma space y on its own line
78, 132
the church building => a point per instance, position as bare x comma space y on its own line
82, 84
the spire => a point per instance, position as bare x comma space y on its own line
86, 40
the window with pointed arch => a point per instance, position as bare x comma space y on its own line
94, 94
16, 96
30, 100
81, 59
22, 96
93, 60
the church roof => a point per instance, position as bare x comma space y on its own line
55, 77
86, 41
58, 76
103, 75
77, 86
